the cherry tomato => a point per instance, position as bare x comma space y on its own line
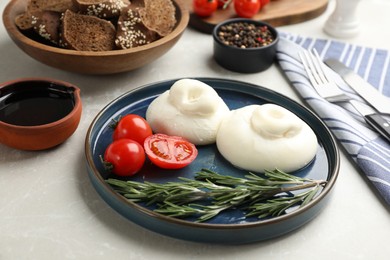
169, 152
247, 8
264, 2
133, 127
204, 8
222, 3
124, 157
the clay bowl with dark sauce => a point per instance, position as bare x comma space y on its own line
245, 45
38, 113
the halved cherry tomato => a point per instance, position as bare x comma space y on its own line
134, 127
124, 157
169, 152
204, 8
247, 8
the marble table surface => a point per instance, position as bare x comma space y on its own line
49, 209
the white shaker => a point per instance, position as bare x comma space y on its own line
343, 22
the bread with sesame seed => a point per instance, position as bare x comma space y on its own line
88, 25
50, 5
47, 24
131, 31
137, 3
159, 16
24, 20
101, 8
86, 33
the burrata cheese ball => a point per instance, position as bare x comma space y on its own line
265, 137
190, 109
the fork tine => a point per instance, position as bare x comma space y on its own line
318, 78
313, 66
319, 65
305, 61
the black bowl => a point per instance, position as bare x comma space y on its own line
245, 60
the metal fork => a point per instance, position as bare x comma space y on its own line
328, 89
325, 88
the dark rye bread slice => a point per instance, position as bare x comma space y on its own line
24, 20
131, 31
47, 24
86, 33
49, 5
137, 3
101, 8
159, 16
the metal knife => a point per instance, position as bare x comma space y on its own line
377, 121
368, 92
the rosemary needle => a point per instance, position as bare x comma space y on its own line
211, 193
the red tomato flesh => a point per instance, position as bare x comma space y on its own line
169, 152
125, 157
132, 126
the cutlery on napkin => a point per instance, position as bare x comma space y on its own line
369, 151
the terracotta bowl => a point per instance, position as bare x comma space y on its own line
38, 113
88, 62
244, 59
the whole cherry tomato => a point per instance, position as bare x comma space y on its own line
204, 8
169, 152
264, 2
124, 157
134, 127
247, 8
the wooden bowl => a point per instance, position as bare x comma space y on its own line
88, 62
38, 113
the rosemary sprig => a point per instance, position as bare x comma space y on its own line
211, 193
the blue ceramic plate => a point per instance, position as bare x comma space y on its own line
230, 227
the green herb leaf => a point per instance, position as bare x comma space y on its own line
267, 196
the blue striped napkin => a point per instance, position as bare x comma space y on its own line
370, 151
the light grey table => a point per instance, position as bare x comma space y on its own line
49, 209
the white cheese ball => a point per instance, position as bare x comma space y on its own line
190, 109
264, 137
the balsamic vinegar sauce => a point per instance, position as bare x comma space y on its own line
36, 103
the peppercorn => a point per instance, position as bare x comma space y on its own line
245, 35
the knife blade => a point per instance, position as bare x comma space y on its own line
368, 92
379, 122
